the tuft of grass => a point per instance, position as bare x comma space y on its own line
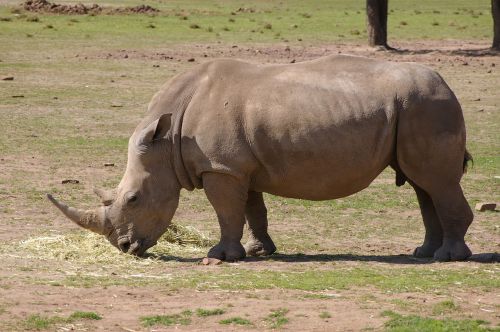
400, 323
85, 315
444, 307
235, 321
184, 318
325, 315
276, 318
200, 312
38, 322
32, 19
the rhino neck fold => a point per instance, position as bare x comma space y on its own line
178, 163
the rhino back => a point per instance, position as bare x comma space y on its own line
315, 130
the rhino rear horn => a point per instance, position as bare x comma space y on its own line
107, 196
93, 220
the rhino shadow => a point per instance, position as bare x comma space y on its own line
303, 258
463, 52
391, 259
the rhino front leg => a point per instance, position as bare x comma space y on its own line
259, 242
228, 196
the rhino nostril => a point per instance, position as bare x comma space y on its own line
124, 245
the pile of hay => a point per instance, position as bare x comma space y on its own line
88, 248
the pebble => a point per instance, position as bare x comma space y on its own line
486, 206
211, 261
8, 78
72, 181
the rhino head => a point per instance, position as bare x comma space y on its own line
139, 210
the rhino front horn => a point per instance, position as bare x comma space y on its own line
93, 220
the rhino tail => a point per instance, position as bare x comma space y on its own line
467, 158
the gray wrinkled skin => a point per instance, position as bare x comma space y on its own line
316, 130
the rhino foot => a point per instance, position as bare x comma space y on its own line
227, 251
426, 250
452, 251
263, 247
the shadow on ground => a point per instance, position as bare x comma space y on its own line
464, 52
302, 258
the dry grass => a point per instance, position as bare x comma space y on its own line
86, 248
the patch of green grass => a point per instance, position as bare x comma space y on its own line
400, 323
276, 318
444, 307
184, 318
39, 322
402, 303
313, 21
235, 321
85, 315
209, 312
325, 315
396, 279
316, 296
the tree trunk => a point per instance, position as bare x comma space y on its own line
495, 12
376, 11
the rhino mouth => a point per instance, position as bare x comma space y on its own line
135, 248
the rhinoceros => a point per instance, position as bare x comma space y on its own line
315, 130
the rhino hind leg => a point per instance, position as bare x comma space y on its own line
259, 242
433, 229
455, 216
228, 198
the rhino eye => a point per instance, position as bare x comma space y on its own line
131, 198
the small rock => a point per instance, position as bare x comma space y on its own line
211, 261
293, 61
486, 206
109, 164
8, 78
72, 181
190, 60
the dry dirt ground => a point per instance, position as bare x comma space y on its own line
368, 241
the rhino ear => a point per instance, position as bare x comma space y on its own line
155, 130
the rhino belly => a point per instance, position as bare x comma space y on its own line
327, 163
